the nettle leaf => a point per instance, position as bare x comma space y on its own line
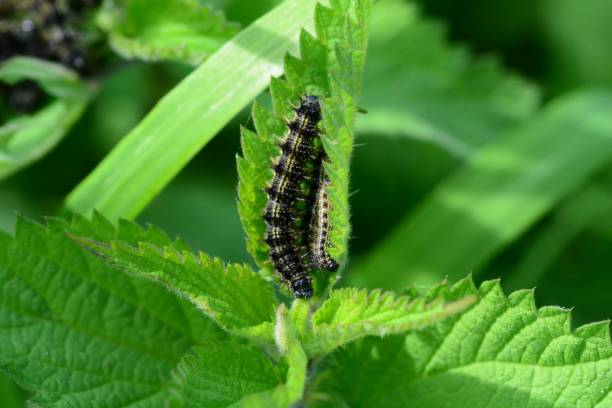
417, 85
233, 295
152, 30
25, 139
503, 352
219, 374
330, 67
350, 314
77, 333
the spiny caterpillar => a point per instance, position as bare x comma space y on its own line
319, 228
298, 166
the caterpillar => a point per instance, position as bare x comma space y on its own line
319, 228
290, 173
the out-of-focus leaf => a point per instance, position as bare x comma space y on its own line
580, 211
496, 196
55, 79
417, 85
27, 138
580, 34
191, 114
152, 30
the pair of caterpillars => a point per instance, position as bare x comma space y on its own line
296, 215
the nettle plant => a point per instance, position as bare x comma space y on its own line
96, 313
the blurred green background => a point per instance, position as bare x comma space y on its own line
443, 79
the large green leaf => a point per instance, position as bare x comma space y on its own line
191, 114
496, 196
77, 333
27, 138
151, 30
417, 85
330, 68
502, 353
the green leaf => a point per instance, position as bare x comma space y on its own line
77, 333
11, 395
27, 138
190, 115
496, 196
152, 30
288, 345
330, 67
417, 85
502, 353
55, 79
234, 296
580, 38
219, 374
350, 314
572, 218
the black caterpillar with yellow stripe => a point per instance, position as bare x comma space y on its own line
293, 195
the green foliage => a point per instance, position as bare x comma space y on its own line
25, 139
418, 85
219, 374
189, 116
141, 320
518, 178
581, 40
74, 331
350, 314
330, 67
233, 295
152, 30
503, 352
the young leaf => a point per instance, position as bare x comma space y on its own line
219, 374
288, 344
77, 333
330, 67
419, 86
190, 115
502, 353
27, 138
517, 178
234, 296
152, 30
350, 314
